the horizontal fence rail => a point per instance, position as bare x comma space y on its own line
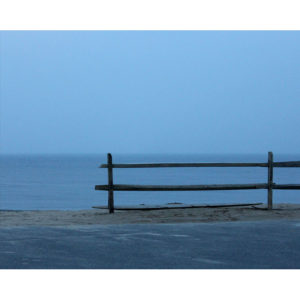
212, 187
185, 165
288, 164
270, 185
286, 186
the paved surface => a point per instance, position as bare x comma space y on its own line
246, 245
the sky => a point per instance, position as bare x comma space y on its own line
149, 92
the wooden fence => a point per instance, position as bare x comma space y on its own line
270, 185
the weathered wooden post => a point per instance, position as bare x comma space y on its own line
110, 184
270, 180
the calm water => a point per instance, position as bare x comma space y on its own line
67, 181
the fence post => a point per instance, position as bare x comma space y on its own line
110, 203
270, 180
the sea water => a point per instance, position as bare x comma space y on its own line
66, 182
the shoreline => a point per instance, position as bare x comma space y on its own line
15, 218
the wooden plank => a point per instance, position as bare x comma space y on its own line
287, 164
185, 165
175, 207
110, 184
270, 180
125, 187
286, 186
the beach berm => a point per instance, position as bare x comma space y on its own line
188, 215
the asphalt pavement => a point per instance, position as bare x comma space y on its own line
228, 245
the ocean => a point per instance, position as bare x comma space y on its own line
66, 182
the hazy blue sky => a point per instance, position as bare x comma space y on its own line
150, 92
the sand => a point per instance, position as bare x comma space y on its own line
188, 215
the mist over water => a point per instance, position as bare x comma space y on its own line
30, 182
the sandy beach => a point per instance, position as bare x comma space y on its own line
178, 215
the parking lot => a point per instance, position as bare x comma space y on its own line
230, 245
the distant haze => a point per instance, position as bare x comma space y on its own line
150, 91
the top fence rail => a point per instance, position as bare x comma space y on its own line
286, 164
